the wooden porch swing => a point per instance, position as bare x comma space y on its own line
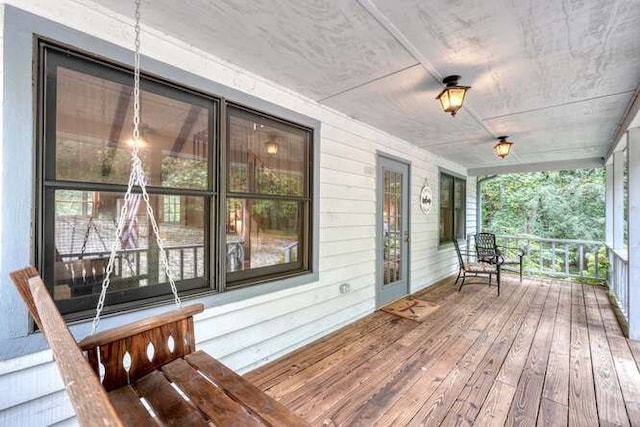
147, 372
170, 385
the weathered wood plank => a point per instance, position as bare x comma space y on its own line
474, 393
87, 395
251, 397
611, 408
210, 399
439, 358
494, 410
526, 402
582, 400
434, 411
399, 362
556, 383
509, 374
167, 403
552, 414
140, 326
128, 405
439, 367
280, 370
626, 368
350, 355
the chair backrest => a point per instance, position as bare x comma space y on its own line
457, 246
486, 245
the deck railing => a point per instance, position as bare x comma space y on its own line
619, 279
560, 257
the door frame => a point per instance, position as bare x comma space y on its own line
379, 270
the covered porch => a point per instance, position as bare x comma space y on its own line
546, 352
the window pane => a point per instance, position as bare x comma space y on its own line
262, 233
93, 119
459, 204
446, 208
265, 156
85, 230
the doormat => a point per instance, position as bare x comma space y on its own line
411, 308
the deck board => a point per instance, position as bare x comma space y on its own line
546, 353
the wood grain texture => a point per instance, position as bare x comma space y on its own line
524, 407
582, 400
476, 362
627, 369
210, 399
89, 399
251, 397
130, 408
611, 407
167, 403
468, 403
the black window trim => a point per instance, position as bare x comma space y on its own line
455, 177
217, 194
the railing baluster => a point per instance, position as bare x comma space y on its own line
566, 259
595, 259
195, 261
553, 256
581, 256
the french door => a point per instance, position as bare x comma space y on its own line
392, 223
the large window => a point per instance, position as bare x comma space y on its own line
452, 208
85, 112
268, 197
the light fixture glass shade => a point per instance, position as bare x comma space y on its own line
503, 147
452, 96
271, 147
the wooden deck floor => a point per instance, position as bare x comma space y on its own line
544, 352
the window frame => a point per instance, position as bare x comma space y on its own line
216, 276
251, 277
461, 234
52, 55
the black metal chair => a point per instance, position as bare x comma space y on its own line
475, 268
487, 250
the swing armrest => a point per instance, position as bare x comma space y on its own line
138, 327
89, 400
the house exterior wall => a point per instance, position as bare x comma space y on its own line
247, 333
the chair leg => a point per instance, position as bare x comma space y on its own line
464, 275
457, 278
498, 275
520, 269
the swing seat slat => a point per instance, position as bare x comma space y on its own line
181, 386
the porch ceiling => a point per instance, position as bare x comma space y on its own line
558, 77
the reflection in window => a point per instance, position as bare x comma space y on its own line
87, 158
268, 197
452, 208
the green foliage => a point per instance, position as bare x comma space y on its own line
559, 204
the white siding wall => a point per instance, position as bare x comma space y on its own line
246, 334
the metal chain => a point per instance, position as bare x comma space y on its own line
137, 176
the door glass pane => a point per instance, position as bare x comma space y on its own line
93, 133
392, 226
85, 223
262, 233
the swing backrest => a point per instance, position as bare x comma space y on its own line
129, 352
88, 397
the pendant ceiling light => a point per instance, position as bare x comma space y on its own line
503, 147
452, 96
271, 146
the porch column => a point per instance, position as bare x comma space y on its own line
618, 199
633, 152
609, 204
